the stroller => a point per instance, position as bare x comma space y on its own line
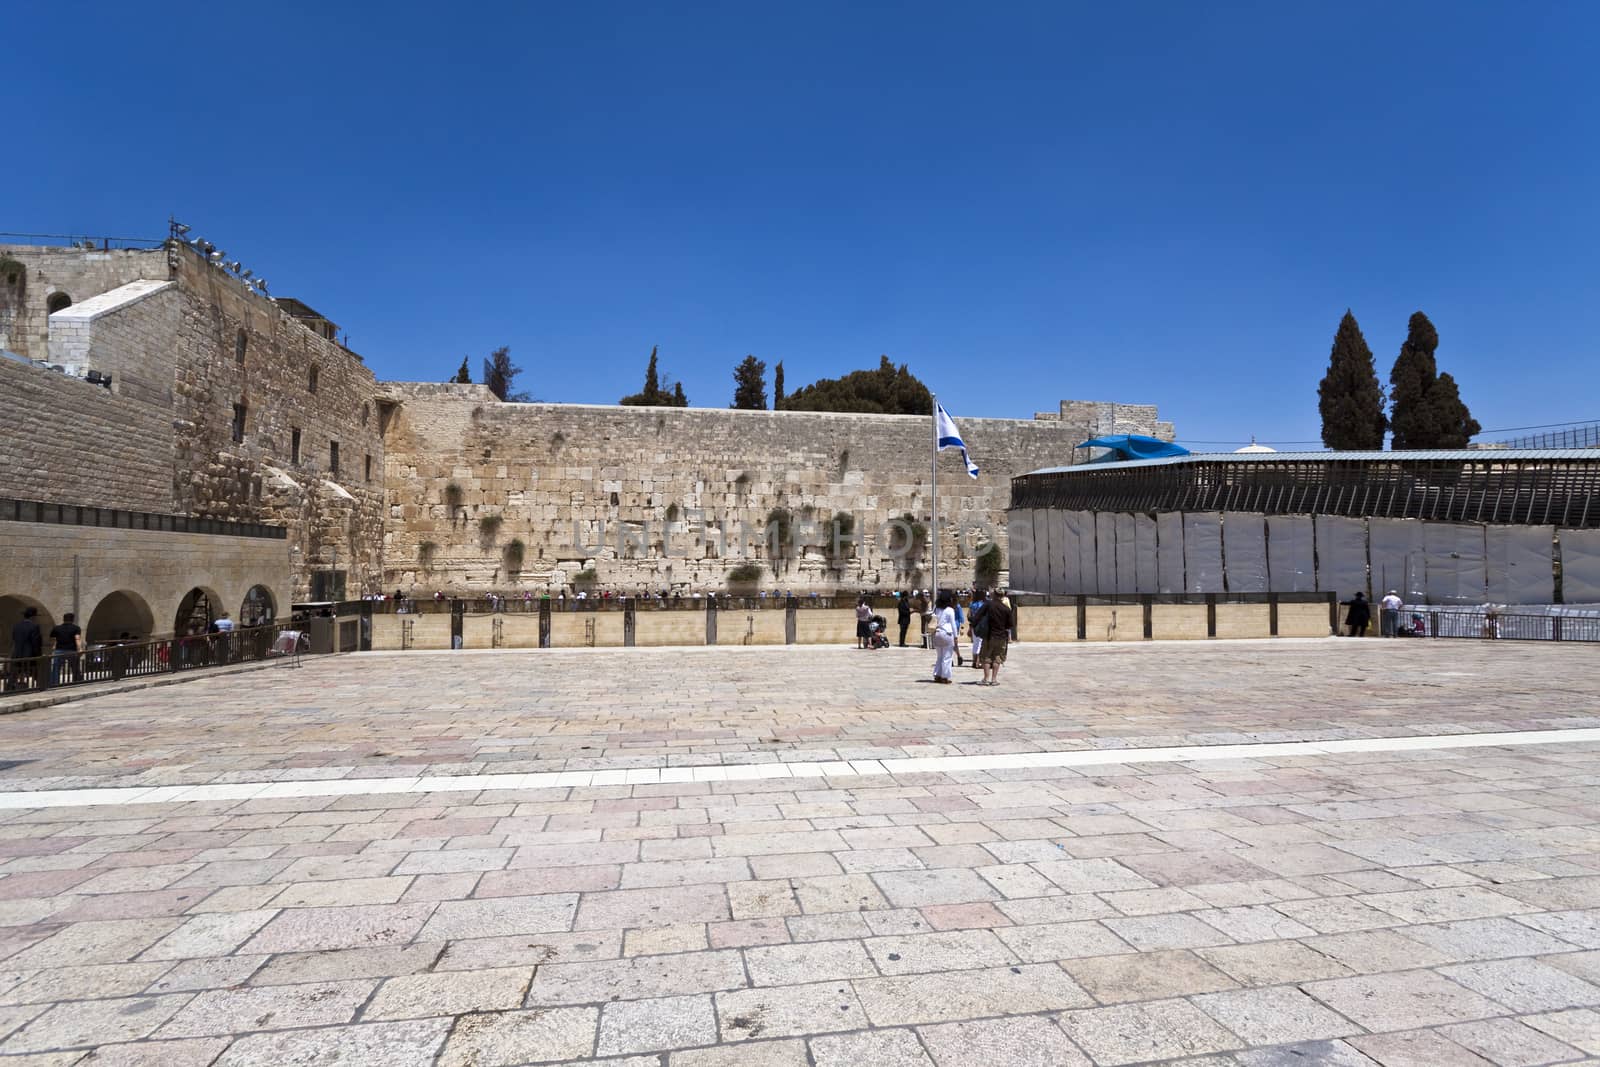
875, 628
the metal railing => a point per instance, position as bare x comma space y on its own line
1499, 626
113, 662
12, 510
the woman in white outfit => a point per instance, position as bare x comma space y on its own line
944, 638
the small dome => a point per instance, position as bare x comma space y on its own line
1253, 447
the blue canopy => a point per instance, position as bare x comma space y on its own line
1134, 446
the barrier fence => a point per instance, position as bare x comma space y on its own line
113, 662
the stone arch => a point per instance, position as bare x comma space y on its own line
11, 606
118, 613
258, 608
57, 301
196, 610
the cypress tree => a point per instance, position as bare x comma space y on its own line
464, 375
1410, 380
777, 386
1427, 408
679, 399
750, 385
1350, 397
652, 395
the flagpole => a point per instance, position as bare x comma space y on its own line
933, 496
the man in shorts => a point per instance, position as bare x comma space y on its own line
996, 622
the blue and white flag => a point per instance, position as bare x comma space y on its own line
950, 437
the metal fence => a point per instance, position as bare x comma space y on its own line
115, 662
1571, 437
1495, 626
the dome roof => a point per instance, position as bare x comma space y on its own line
1253, 447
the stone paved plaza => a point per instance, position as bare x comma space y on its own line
1292, 852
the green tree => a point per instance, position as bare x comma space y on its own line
1427, 410
654, 394
500, 374
888, 390
750, 385
464, 375
777, 386
1350, 397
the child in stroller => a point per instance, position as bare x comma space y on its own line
875, 630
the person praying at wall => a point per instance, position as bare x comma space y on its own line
1359, 616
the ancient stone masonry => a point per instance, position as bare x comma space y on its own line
221, 405
487, 495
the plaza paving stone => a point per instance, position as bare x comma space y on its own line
1392, 904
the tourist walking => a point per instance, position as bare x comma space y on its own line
902, 614
973, 615
1389, 615
863, 623
68, 639
995, 625
27, 643
943, 635
1359, 616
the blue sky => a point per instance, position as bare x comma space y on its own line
1168, 203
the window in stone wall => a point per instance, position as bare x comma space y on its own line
367, 469
312, 384
333, 458
294, 445
238, 423
241, 341
57, 302
366, 413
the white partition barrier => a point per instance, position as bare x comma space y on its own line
1519, 564
1580, 566
1454, 559
1291, 554
1169, 553
1202, 551
1396, 559
1244, 551
1144, 546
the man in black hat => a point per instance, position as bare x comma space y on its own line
27, 641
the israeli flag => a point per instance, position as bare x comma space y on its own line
950, 437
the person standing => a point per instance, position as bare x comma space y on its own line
943, 635
961, 620
974, 616
1359, 616
863, 623
27, 643
68, 640
902, 611
1389, 615
919, 604
997, 621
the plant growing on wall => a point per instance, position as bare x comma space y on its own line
673, 512
741, 484
744, 576
987, 566
840, 529
780, 528
587, 576
489, 528
452, 499
511, 557
907, 539
425, 554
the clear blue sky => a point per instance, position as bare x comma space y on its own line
1168, 203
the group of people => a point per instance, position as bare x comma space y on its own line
1359, 615
27, 648
988, 620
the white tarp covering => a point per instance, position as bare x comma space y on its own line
1202, 551
1127, 554
1341, 555
1080, 527
1068, 554
1144, 540
1105, 547
1019, 543
1519, 564
1051, 534
1580, 566
1455, 569
1169, 552
1397, 559
1244, 550
1291, 554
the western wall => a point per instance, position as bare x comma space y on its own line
484, 495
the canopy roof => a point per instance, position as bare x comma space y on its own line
1126, 446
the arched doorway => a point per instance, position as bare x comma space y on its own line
57, 301
196, 610
11, 607
120, 616
259, 607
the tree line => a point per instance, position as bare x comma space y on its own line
1422, 408
886, 389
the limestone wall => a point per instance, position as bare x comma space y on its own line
77, 273
467, 476
62, 568
65, 441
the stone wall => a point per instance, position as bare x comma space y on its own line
60, 568
468, 475
75, 272
66, 441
